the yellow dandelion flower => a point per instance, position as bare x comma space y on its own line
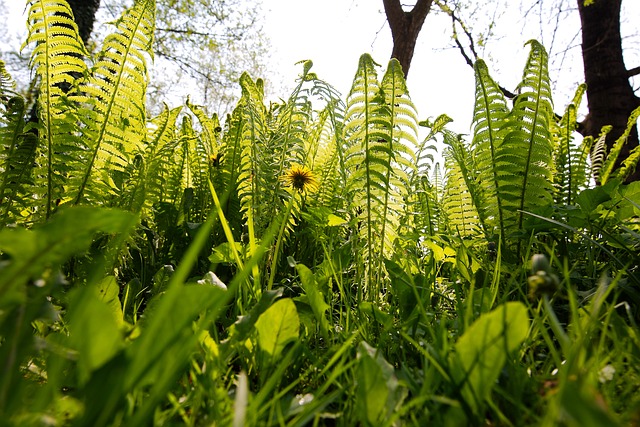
300, 178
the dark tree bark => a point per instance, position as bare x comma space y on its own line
84, 13
405, 27
609, 94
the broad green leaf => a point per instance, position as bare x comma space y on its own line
108, 291
316, 298
334, 220
69, 232
278, 326
223, 253
374, 311
378, 393
482, 350
241, 329
93, 330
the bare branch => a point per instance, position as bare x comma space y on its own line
455, 20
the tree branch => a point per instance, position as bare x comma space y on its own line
405, 27
633, 72
455, 20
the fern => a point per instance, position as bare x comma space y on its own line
460, 191
379, 126
489, 119
17, 154
114, 118
426, 149
524, 161
149, 181
57, 61
570, 160
7, 85
203, 151
229, 160
457, 206
629, 164
323, 158
254, 135
599, 152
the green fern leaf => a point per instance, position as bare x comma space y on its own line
7, 85
489, 119
115, 123
254, 167
380, 138
149, 184
458, 206
17, 155
57, 61
629, 164
570, 160
524, 160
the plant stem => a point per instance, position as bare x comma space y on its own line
276, 250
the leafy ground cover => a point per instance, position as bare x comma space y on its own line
306, 262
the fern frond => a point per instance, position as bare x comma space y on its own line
378, 130
17, 155
524, 160
629, 164
252, 159
230, 161
149, 183
426, 149
324, 159
114, 119
57, 60
489, 120
458, 205
599, 152
7, 85
570, 160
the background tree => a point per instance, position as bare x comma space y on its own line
84, 13
405, 27
610, 96
201, 47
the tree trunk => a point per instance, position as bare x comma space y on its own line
84, 13
609, 94
405, 27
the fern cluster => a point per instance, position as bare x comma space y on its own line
379, 193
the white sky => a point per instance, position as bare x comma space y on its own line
334, 33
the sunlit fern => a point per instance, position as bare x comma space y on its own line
379, 131
608, 170
57, 60
113, 99
570, 160
149, 182
489, 117
459, 200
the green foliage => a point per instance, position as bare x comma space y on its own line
197, 284
483, 349
277, 327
